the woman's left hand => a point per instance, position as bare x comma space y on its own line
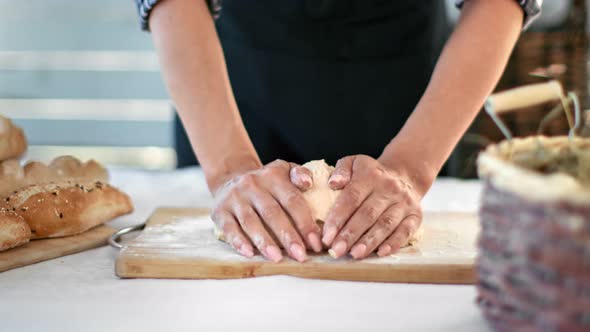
378, 209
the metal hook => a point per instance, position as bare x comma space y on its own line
577, 115
114, 239
532, 95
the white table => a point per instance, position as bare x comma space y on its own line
81, 292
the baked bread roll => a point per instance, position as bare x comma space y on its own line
14, 231
68, 208
12, 140
68, 167
14, 177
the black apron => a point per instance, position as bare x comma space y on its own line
325, 79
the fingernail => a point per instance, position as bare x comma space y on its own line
338, 250
329, 235
315, 242
358, 251
384, 250
246, 250
298, 252
306, 179
335, 179
274, 253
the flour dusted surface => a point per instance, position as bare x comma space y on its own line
449, 238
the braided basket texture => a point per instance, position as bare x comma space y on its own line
534, 248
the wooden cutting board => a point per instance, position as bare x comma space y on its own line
42, 250
179, 243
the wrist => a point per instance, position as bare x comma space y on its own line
410, 165
228, 168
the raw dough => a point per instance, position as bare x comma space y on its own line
320, 197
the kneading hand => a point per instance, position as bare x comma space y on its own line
256, 208
378, 209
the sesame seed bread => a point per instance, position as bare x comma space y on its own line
67, 208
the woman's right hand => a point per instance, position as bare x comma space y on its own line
265, 209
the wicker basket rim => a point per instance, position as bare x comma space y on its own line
494, 166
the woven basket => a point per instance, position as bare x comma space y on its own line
534, 248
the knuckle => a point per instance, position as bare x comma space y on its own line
377, 172
246, 181
369, 212
275, 171
258, 240
279, 163
413, 222
404, 231
248, 219
416, 220
392, 184
286, 236
227, 228
368, 240
309, 227
218, 216
347, 235
341, 161
353, 196
363, 158
388, 221
271, 212
293, 198
340, 171
230, 200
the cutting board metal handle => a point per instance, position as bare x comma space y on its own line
114, 239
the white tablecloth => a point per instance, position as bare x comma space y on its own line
81, 292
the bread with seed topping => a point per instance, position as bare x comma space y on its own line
14, 177
67, 208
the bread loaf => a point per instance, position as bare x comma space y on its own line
13, 177
14, 231
67, 208
12, 140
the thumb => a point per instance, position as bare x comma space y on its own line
342, 173
301, 177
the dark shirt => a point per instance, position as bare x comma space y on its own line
322, 79
532, 9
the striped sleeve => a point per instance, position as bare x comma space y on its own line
531, 8
144, 7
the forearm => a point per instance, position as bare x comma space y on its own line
196, 77
466, 73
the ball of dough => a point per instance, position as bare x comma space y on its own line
320, 197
